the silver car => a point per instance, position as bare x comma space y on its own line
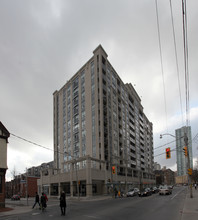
132, 192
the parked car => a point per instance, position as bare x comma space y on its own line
154, 190
132, 192
165, 190
15, 197
145, 192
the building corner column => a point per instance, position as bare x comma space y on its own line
88, 178
71, 179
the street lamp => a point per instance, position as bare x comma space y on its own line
161, 135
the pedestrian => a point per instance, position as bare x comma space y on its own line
195, 186
43, 202
63, 203
116, 192
36, 200
46, 197
119, 193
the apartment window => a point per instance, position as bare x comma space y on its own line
76, 119
82, 76
113, 80
76, 137
76, 128
75, 93
68, 91
83, 96
83, 115
83, 125
76, 110
69, 124
75, 84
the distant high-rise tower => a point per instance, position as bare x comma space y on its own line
182, 161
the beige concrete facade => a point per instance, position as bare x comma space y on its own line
181, 179
99, 123
3, 150
4, 135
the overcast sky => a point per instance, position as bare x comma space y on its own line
43, 43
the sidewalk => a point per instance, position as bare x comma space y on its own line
15, 210
20, 207
190, 209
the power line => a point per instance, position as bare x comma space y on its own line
185, 40
31, 142
176, 59
164, 145
195, 139
162, 69
39, 145
168, 143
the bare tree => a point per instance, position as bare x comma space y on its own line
13, 172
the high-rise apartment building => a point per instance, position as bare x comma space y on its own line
182, 160
99, 123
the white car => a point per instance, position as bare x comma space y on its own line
165, 190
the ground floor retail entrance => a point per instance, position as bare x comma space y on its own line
90, 180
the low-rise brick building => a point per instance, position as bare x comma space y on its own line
18, 186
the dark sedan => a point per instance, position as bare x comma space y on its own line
154, 190
145, 192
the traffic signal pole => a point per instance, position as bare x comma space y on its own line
186, 153
188, 163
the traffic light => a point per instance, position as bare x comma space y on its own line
185, 149
113, 169
190, 171
168, 153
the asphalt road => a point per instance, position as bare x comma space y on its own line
153, 207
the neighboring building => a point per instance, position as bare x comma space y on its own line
35, 171
169, 177
182, 160
99, 123
4, 135
18, 186
165, 177
157, 166
159, 177
181, 179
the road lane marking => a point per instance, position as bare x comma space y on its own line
91, 216
176, 194
36, 213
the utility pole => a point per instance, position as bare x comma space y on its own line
27, 186
188, 161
